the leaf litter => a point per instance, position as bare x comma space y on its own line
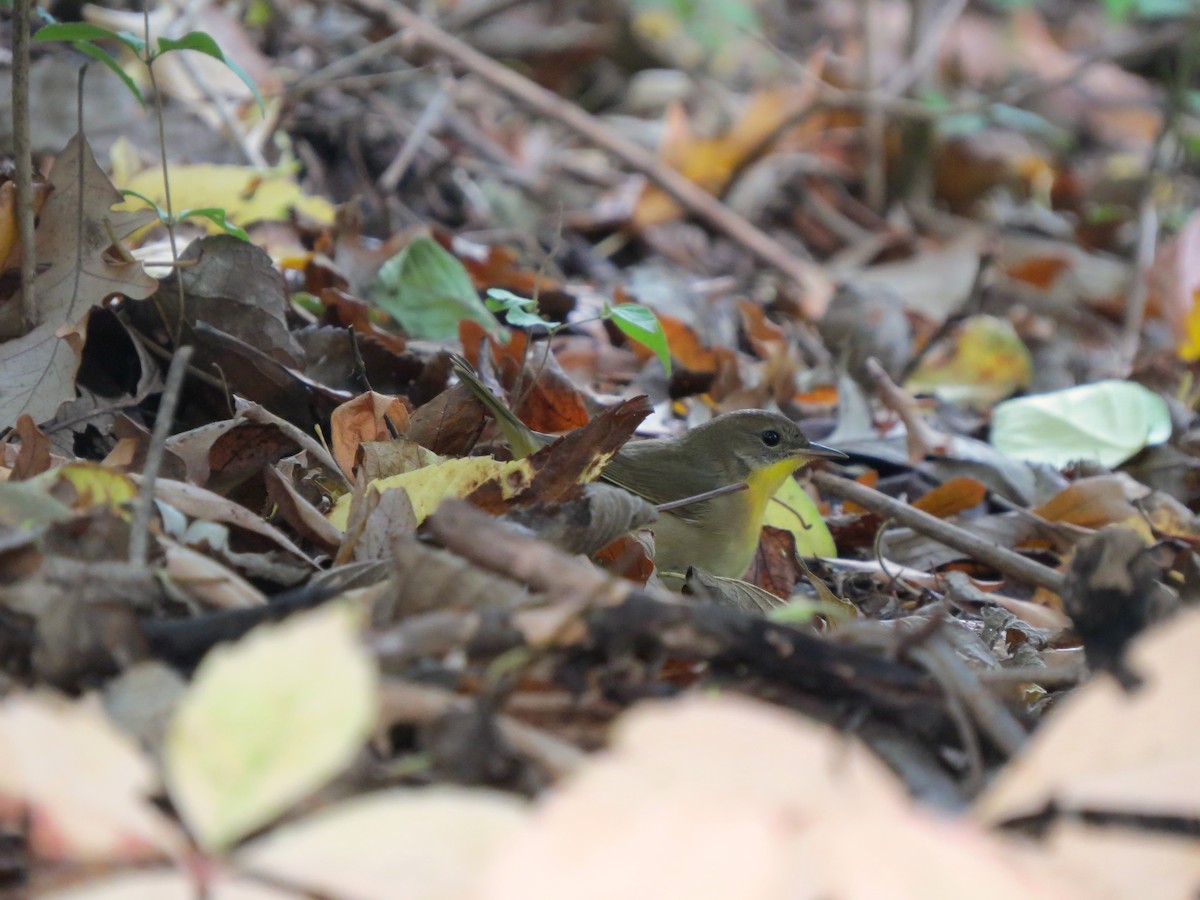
372, 654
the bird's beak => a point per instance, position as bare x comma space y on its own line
820, 451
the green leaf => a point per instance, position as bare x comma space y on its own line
267, 721
162, 213
215, 215
202, 42
308, 303
1108, 422
101, 55
83, 31
427, 290
520, 312
639, 323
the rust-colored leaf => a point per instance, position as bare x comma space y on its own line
952, 497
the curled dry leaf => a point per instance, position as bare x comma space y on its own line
365, 418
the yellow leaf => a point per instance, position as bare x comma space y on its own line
793, 510
1189, 346
246, 194
986, 363
429, 486
94, 485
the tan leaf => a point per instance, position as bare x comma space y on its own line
75, 234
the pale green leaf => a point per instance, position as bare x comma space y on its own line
267, 721
428, 292
1106, 422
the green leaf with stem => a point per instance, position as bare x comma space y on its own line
639, 323
202, 42
520, 312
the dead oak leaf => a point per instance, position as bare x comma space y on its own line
75, 234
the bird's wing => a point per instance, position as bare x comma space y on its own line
640, 468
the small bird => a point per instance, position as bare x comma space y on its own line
753, 447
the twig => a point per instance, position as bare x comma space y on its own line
934, 664
707, 495
162, 152
139, 536
925, 53
23, 150
428, 120
347, 64
1135, 304
921, 438
989, 713
982, 549
688, 194
874, 121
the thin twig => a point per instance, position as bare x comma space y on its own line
874, 121
707, 495
986, 551
139, 537
409, 703
925, 54
685, 192
162, 152
429, 119
23, 150
1135, 304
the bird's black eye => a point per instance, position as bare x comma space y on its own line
771, 438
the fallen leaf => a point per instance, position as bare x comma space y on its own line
984, 361
418, 843
77, 227
792, 509
363, 419
268, 720
1106, 421
84, 786
246, 194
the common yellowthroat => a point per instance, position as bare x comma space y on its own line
751, 446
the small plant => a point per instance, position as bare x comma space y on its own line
86, 38
633, 320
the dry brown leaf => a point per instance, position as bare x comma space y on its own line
75, 234
365, 418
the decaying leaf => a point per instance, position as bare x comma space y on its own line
75, 235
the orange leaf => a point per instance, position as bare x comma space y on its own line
363, 419
951, 498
